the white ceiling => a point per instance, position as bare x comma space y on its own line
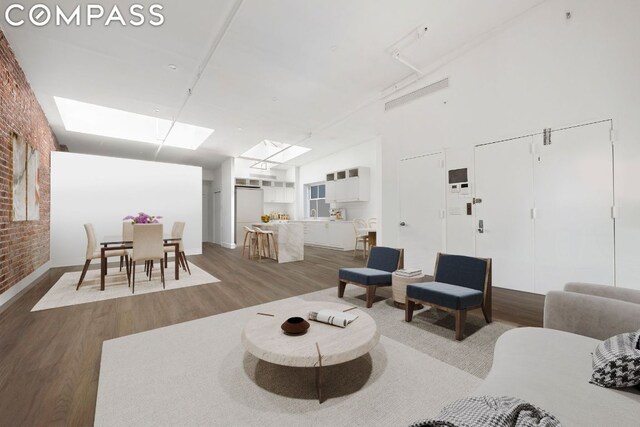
285, 68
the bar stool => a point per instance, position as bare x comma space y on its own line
253, 240
269, 238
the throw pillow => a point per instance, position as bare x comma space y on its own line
616, 361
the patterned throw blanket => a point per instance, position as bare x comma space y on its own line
491, 411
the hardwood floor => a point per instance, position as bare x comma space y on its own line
50, 360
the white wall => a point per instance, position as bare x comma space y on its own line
542, 71
103, 190
365, 154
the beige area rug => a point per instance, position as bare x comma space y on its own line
430, 332
198, 373
64, 293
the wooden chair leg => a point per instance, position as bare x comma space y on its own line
166, 259
162, 273
355, 248
129, 271
150, 269
244, 243
341, 286
275, 247
371, 295
126, 264
186, 263
409, 306
461, 317
133, 278
84, 272
121, 262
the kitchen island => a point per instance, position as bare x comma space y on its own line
290, 238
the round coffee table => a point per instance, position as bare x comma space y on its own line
322, 344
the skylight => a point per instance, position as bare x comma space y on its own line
104, 121
273, 151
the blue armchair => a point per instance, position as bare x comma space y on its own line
381, 263
460, 283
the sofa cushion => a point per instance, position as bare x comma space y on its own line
550, 369
616, 361
444, 294
365, 276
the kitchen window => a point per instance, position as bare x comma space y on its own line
316, 204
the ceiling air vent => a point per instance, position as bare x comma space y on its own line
418, 93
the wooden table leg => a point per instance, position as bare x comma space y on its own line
103, 267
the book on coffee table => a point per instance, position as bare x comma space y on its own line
332, 317
407, 272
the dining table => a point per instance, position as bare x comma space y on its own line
115, 243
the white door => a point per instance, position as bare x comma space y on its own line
574, 230
217, 218
422, 207
504, 223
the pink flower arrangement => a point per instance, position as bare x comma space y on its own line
142, 218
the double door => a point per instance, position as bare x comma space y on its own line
545, 208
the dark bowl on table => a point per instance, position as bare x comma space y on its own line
295, 326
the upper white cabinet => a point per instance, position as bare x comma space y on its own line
273, 191
350, 185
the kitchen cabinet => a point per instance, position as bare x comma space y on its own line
274, 191
337, 235
351, 185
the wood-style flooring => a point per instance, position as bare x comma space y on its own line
50, 360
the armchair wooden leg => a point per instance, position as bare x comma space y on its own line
486, 310
84, 272
121, 262
409, 306
461, 317
371, 295
166, 259
341, 286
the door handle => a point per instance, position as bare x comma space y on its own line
403, 224
481, 226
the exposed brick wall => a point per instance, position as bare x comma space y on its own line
24, 246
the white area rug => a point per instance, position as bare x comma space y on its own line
198, 373
64, 293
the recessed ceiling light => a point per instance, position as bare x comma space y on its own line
172, 67
240, 129
274, 152
274, 99
156, 110
333, 48
93, 119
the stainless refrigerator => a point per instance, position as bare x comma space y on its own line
249, 208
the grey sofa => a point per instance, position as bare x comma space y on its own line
550, 367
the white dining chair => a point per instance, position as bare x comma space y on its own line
177, 231
127, 236
359, 227
149, 247
373, 222
93, 252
